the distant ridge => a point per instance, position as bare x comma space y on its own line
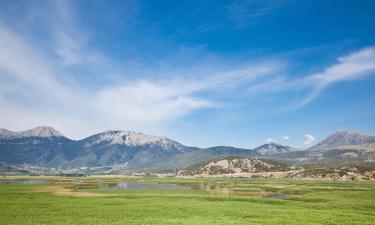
39, 131
46, 147
272, 148
344, 138
128, 151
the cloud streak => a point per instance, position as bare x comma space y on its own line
41, 88
352, 66
244, 12
42, 84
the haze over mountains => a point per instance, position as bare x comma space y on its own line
132, 151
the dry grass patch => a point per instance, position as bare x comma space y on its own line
67, 191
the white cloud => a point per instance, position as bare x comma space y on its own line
37, 91
286, 137
25, 70
348, 67
146, 102
270, 140
309, 139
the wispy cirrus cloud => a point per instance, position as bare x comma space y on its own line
348, 67
39, 81
40, 87
352, 66
244, 12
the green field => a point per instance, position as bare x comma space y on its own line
216, 201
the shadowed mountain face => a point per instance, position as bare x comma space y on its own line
123, 147
45, 146
44, 151
345, 138
40, 146
132, 151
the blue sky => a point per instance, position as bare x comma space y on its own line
204, 73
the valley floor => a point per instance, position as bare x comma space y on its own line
201, 201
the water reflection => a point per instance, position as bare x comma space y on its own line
128, 185
226, 190
214, 189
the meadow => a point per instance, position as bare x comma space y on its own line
198, 201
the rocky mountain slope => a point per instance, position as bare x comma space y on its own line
182, 160
45, 146
40, 131
126, 151
344, 138
230, 165
249, 167
351, 154
272, 148
123, 150
41, 146
343, 147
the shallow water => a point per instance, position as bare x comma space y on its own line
23, 182
222, 189
129, 185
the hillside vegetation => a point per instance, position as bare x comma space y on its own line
229, 165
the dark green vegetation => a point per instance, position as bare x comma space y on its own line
221, 201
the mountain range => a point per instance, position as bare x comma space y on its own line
127, 151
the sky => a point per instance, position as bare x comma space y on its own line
204, 73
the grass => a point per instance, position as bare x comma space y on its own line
309, 202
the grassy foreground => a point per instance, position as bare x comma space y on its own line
234, 201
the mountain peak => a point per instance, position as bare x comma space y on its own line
43, 131
39, 131
349, 132
271, 144
345, 137
134, 139
272, 148
130, 137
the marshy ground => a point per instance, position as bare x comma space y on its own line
152, 200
